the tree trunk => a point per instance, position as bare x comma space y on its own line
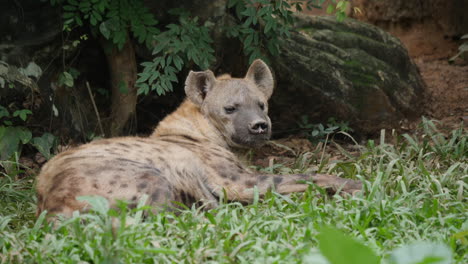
123, 72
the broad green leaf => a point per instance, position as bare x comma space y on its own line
78, 20
93, 20
143, 88
66, 79
44, 144
4, 112
248, 40
24, 135
103, 28
341, 249
69, 8
422, 253
10, 138
23, 114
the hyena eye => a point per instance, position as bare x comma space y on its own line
229, 109
262, 106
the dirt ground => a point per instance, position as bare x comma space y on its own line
446, 83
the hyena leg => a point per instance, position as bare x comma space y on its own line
297, 183
286, 184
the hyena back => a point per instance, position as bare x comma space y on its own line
187, 159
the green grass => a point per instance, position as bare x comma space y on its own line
415, 200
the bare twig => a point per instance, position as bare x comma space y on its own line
95, 108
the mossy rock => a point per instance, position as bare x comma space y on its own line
348, 70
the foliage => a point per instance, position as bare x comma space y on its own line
318, 132
350, 250
113, 19
181, 43
260, 26
332, 241
13, 133
274, 19
413, 210
68, 78
189, 42
12, 138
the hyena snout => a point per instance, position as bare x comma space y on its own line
258, 127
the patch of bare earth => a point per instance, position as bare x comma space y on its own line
447, 83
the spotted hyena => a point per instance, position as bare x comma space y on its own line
189, 158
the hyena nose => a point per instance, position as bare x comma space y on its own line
258, 127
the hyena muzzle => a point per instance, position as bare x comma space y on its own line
189, 158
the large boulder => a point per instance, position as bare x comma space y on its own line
349, 70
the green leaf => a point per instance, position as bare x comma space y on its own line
23, 114
422, 253
24, 135
330, 9
143, 88
69, 8
10, 138
78, 21
268, 26
97, 15
232, 3
104, 29
4, 112
341, 249
248, 40
143, 77
93, 20
74, 73
44, 144
178, 62
66, 79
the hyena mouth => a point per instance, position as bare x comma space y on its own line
251, 141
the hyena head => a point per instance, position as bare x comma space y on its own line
238, 108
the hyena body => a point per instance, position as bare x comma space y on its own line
188, 158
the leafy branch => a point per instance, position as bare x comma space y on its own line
113, 19
181, 43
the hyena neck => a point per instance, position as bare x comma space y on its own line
188, 121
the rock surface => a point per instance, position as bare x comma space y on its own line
348, 70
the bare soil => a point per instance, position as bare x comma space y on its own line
447, 83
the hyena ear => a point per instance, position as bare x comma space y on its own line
198, 84
261, 75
